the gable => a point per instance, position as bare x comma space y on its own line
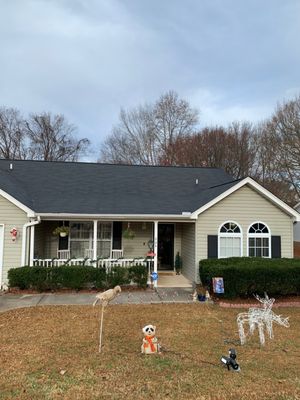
260, 190
245, 206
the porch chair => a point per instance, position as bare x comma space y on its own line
116, 253
63, 254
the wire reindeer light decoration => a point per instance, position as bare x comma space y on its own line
262, 318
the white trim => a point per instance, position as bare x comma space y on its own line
24, 234
297, 206
230, 234
117, 217
17, 203
155, 248
260, 235
1, 253
31, 250
95, 237
249, 181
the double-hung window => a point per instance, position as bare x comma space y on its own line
259, 239
230, 240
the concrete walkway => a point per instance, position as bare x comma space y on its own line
162, 295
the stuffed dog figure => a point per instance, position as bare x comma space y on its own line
150, 345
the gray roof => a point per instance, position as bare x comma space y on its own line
93, 188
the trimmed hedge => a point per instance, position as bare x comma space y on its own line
244, 276
75, 277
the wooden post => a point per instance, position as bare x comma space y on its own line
101, 327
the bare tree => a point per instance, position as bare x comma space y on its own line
52, 138
133, 140
12, 136
145, 134
232, 149
283, 134
173, 119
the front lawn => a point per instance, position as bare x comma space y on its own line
52, 353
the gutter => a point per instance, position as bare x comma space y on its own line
25, 226
186, 216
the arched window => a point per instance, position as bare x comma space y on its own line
230, 240
259, 239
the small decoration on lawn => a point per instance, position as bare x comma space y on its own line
105, 298
260, 317
230, 361
150, 345
218, 285
195, 296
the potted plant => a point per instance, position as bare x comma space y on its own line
128, 233
178, 264
62, 231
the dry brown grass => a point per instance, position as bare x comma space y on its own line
37, 343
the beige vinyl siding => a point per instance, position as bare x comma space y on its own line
244, 206
11, 216
46, 244
188, 251
138, 246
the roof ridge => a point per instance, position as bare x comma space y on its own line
109, 164
226, 183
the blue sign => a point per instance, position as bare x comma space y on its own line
154, 276
218, 285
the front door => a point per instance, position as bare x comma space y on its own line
165, 246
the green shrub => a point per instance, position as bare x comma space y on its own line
139, 274
28, 277
117, 276
76, 277
244, 276
99, 280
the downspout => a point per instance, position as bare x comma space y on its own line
25, 226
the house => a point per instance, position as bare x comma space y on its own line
198, 212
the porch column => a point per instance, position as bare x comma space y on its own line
95, 240
31, 250
155, 239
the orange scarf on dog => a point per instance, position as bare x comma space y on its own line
149, 340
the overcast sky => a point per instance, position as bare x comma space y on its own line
232, 59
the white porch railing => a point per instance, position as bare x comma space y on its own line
106, 263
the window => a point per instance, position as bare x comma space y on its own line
230, 240
82, 239
104, 239
259, 237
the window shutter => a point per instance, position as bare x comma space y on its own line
117, 235
212, 246
276, 246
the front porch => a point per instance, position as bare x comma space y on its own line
104, 244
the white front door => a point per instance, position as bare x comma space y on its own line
1, 253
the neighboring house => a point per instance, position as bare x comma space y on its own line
198, 212
297, 235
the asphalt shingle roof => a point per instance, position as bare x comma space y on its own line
91, 188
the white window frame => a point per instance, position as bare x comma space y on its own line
258, 236
91, 235
230, 234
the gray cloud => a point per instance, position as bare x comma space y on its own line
87, 58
